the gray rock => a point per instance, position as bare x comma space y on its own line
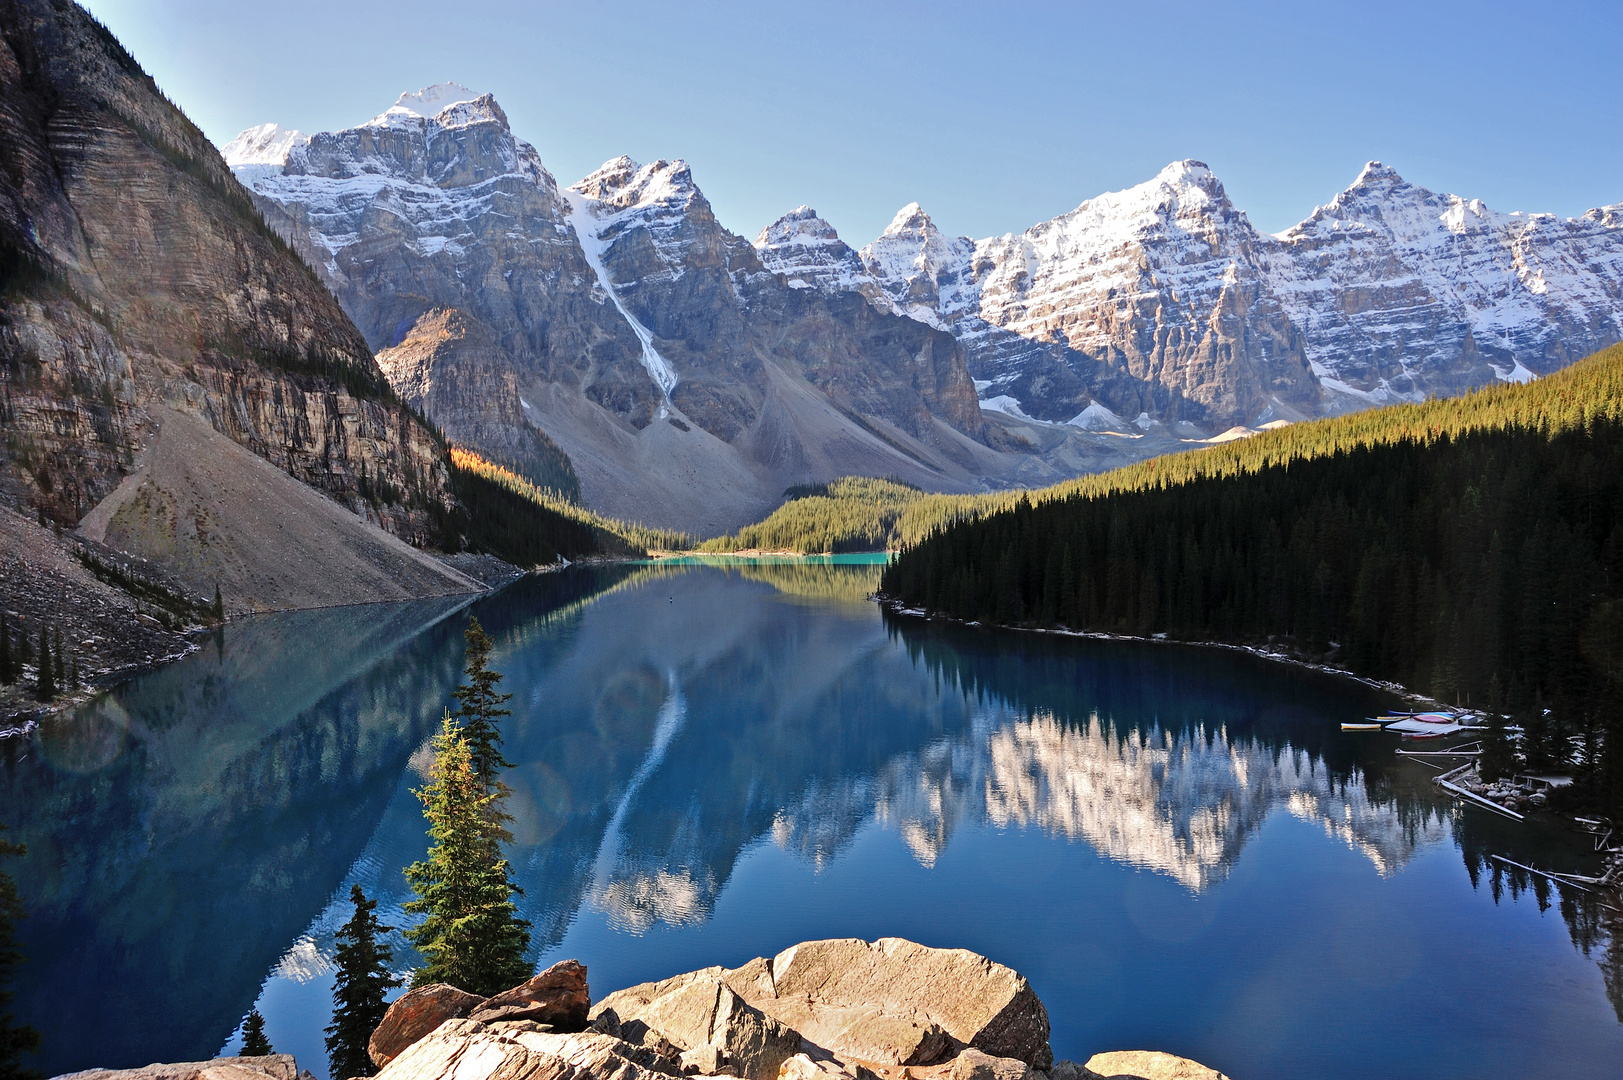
975, 1001
710, 1026
468, 1050
1146, 1065
893, 1040
974, 1065
852, 999
518, 1025
268, 1067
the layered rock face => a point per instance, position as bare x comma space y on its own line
139, 274
448, 367
1164, 300
1402, 292
687, 383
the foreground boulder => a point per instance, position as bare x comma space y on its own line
510, 1050
268, 1067
707, 1027
888, 1002
842, 1009
557, 998
413, 1015
1146, 1065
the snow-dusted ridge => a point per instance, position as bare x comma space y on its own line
1387, 293
1159, 301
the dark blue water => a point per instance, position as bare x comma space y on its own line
1177, 846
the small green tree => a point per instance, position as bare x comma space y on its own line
479, 709
254, 1042
358, 996
15, 1040
45, 673
219, 605
471, 933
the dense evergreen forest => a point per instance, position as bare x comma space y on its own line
511, 518
1469, 548
855, 513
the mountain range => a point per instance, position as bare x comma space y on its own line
614, 334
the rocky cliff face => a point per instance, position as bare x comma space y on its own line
138, 275
1163, 301
688, 383
1401, 292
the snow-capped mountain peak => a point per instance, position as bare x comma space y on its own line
911, 220
918, 267
621, 184
807, 251
800, 227
266, 144
430, 101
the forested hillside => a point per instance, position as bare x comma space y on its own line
855, 513
1469, 548
511, 518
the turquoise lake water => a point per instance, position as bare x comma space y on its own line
1177, 846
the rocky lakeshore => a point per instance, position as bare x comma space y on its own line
840, 1009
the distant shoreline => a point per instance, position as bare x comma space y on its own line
759, 553
895, 607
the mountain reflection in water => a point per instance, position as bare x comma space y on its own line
1178, 804
678, 731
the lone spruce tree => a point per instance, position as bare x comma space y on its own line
14, 1040
479, 708
471, 933
5, 651
254, 1043
363, 980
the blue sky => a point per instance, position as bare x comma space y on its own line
993, 116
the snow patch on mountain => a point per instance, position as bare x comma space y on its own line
659, 197
590, 227
1096, 417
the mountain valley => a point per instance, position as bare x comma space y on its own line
689, 376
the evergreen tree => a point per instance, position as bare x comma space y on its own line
358, 997
254, 1042
5, 651
471, 933
480, 707
219, 604
1498, 757
14, 1040
45, 673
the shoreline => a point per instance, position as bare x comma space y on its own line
19, 723
895, 607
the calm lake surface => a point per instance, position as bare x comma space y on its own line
1177, 846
